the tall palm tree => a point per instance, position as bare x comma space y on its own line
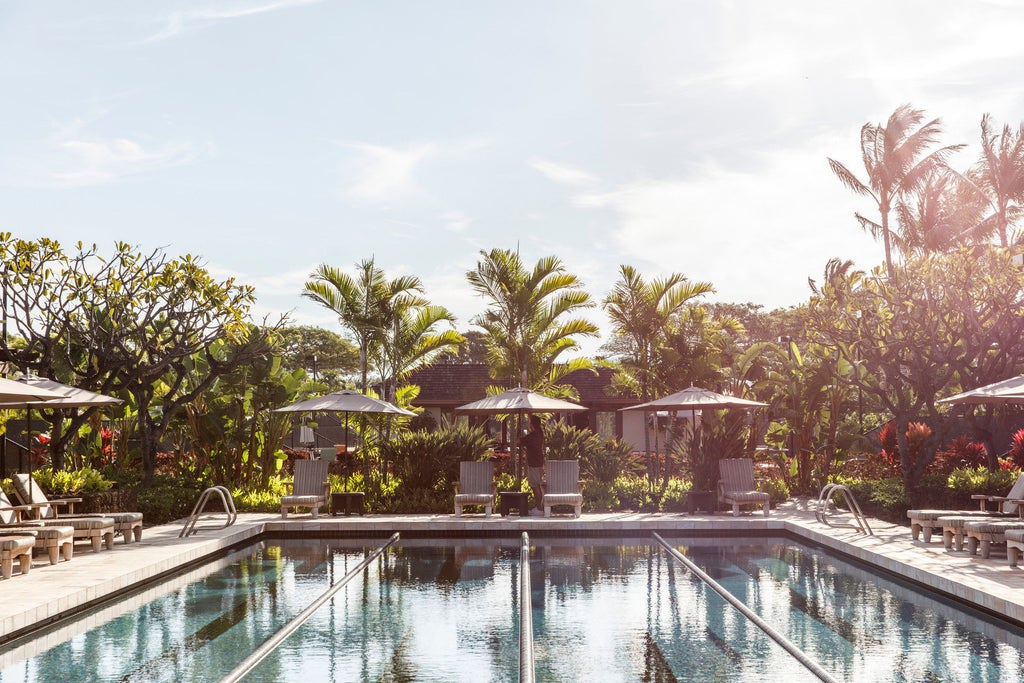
640, 313
897, 160
944, 212
362, 302
529, 317
412, 340
999, 176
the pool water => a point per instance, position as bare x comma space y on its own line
448, 610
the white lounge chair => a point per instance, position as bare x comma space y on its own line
563, 486
310, 487
475, 486
55, 540
924, 522
738, 487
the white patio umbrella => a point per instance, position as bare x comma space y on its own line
345, 401
518, 401
694, 399
1004, 392
59, 396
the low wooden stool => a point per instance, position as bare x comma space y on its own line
15, 548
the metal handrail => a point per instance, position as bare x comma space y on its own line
197, 509
526, 661
825, 499
792, 649
268, 646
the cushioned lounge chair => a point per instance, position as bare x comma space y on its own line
309, 489
563, 486
55, 540
737, 486
924, 522
475, 486
128, 524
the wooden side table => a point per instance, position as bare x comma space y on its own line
349, 503
514, 500
700, 500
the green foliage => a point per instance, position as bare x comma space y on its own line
980, 480
673, 498
430, 460
634, 493
267, 499
71, 482
169, 498
776, 488
600, 459
883, 498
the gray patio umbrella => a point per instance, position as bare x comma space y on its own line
345, 401
1004, 392
694, 399
64, 396
518, 401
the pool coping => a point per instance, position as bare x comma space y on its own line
48, 593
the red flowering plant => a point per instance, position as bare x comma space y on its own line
962, 453
1016, 452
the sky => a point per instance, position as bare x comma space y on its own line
270, 136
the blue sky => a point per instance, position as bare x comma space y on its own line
268, 136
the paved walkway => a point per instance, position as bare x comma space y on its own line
48, 592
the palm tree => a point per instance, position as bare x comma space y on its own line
411, 340
528, 320
897, 161
362, 302
944, 212
640, 313
999, 177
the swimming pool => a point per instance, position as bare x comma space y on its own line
604, 610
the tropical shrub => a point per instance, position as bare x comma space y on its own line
776, 488
71, 482
960, 453
600, 459
429, 460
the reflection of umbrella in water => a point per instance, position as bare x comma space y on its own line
345, 401
518, 401
46, 393
1007, 391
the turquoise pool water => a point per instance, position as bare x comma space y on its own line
603, 610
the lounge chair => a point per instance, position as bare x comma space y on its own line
924, 522
981, 534
737, 485
55, 540
475, 486
309, 489
563, 485
127, 524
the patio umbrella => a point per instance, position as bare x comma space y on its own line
518, 401
694, 399
345, 401
61, 396
999, 393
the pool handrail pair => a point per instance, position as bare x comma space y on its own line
226, 500
269, 645
786, 644
860, 522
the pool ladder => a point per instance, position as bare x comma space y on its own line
821, 509
226, 500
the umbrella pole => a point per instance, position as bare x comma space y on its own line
344, 483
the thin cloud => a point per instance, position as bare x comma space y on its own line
102, 161
384, 174
456, 221
177, 23
562, 174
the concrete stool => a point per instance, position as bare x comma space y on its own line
15, 547
56, 540
1014, 545
924, 522
984, 534
953, 529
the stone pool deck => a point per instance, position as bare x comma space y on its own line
49, 592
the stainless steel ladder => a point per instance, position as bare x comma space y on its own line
821, 509
526, 660
226, 500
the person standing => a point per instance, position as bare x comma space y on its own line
533, 444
